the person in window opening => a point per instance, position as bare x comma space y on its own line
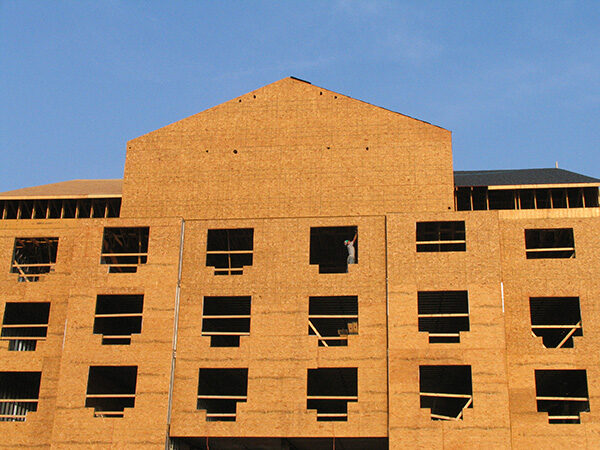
351, 250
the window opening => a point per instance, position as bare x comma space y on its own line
25, 209
563, 394
542, 199
33, 257
84, 208
118, 317
229, 250
329, 391
332, 319
559, 198
575, 197
225, 319
527, 198
220, 390
69, 209
441, 236
111, 389
556, 320
501, 199
24, 324
124, 249
446, 390
549, 243
328, 248
590, 195
19, 394
443, 314
11, 209
40, 209
480, 198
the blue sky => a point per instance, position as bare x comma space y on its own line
518, 83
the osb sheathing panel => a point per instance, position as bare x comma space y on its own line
289, 149
478, 271
574, 277
72, 290
279, 350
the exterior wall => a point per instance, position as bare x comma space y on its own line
575, 277
71, 347
477, 270
301, 152
279, 350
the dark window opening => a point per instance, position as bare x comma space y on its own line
33, 257
332, 319
463, 199
527, 198
329, 391
559, 198
563, 394
24, 324
501, 199
11, 209
480, 198
225, 319
327, 248
54, 209
113, 207
118, 317
19, 394
446, 390
69, 209
443, 314
84, 208
542, 198
229, 250
590, 196
111, 389
441, 236
219, 391
124, 249
25, 209
278, 443
556, 320
575, 197
40, 209
549, 243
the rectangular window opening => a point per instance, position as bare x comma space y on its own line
229, 250
563, 394
125, 248
33, 257
225, 319
219, 391
111, 389
329, 390
590, 195
463, 198
24, 324
502, 199
332, 319
441, 236
446, 390
40, 209
443, 314
480, 195
329, 251
557, 320
19, 394
549, 243
69, 208
118, 317
25, 209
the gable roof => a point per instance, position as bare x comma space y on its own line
520, 177
68, 189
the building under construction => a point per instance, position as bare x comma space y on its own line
206, 300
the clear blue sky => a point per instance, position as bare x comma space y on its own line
518, 83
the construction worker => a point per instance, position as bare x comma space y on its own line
351, 250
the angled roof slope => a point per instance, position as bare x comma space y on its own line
68, 189
520, 177
275, 86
